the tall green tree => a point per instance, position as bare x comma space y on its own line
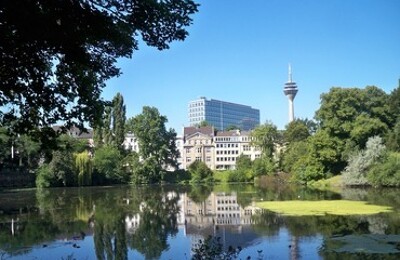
111, 130
157, 145
106, 126
56, 60
265, 136
119, 118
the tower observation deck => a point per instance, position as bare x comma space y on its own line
290, 90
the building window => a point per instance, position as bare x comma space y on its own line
208, 159
188, 159
199, 150
187, 150
198, 158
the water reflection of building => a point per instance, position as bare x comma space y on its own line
217, 215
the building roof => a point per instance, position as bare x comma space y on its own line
229, 133
75, 132
206, 130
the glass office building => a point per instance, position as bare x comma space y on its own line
221, 114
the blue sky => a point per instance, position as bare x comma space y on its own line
238, 51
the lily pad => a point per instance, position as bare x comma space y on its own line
322, 207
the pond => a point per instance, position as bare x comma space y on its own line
171, 222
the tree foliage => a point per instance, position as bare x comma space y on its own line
157, 145
293, 153
111, 129
296, 130
59, 172
394, 103
393, 139
107, 164
264, 136
387, 172
347, 118
119, 118
200, 172
342, 110
57, 55
84, 168
360, 163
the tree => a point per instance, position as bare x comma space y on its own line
342, 109
296, 130
56, 60
360, 163
347, 118
107, 164
111, 129
118, 124
394, 103
5, 147
386, 172
231, 127
200, 172
28, 150
202, 124
84, 166
59, 172
157, 145
393, 140
293, 153
264, 136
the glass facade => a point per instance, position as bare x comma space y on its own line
223, 114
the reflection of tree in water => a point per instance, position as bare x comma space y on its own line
199, 193
110, 237
158, 220
157, 211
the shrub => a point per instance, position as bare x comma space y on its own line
240, 175
59, 172
107, 164
200, 172
43, 176
307, 169
387, 172
359, 164
84, 166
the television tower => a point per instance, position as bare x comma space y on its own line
290, 91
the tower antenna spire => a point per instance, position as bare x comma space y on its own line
290, 90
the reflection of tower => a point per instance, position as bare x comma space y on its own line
290, 91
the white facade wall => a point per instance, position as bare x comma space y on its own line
198, 147
179, 145
230, 145
130, 143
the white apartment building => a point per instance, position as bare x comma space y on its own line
198, 145
218, 149
130, 143
179, 145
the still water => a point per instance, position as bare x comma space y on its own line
170, 222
